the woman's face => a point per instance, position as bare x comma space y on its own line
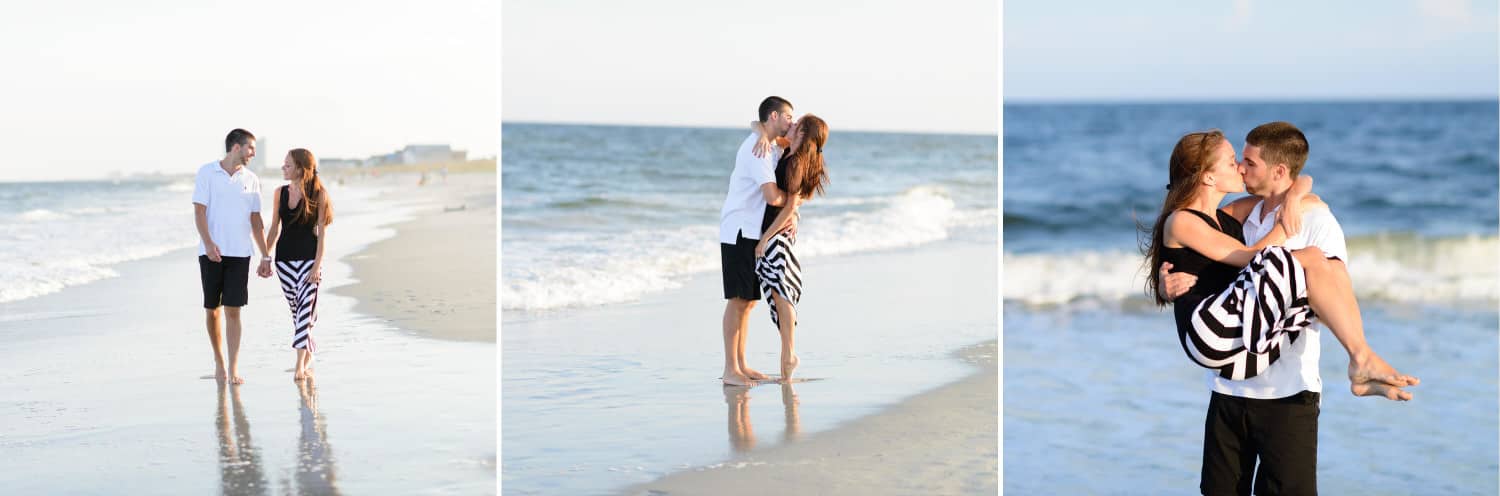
796, 136
1225, 172
289, 169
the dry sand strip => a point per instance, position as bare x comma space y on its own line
436, 276
944, 441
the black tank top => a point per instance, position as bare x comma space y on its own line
771, 210
1213, 276
297, 241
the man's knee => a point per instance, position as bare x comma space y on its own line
740, 304
233, 313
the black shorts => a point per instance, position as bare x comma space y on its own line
1282, 433
226, 282
738, 264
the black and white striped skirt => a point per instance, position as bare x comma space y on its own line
1240, 331
780, 274
302, 296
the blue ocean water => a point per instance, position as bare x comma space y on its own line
59, 234
1094, 379
611, 299
596, 215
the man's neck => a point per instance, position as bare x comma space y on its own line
1273, 199
229, 168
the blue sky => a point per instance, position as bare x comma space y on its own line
860, 64
1167, 50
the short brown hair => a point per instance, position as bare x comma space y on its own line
1280, 143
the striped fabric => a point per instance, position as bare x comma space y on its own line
302, 297
780, 273
1241, 330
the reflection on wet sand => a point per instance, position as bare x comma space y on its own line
741, 433
315, 467
239, 462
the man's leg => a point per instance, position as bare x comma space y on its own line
1287, 432
1228, 450
232, 329
734, 308
744, 331
212, 322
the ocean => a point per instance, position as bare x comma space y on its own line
612, 303
598, 215
1095, 381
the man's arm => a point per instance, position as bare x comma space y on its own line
257, 230
200, 217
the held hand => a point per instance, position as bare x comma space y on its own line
264, 270
212, 251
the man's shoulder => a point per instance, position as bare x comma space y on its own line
208, 167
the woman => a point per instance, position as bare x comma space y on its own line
303, 212
1247, 299
800, 174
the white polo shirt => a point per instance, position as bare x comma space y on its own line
230, 200
1297, 369
745, 206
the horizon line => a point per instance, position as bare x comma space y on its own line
504, 122
1252, 99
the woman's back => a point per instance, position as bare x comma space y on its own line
1213, 276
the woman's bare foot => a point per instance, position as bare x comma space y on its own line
735, 378
787, 366
299, 375
753, 374
219, 375
1370, 375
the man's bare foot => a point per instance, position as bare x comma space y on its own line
787, 366
1370, 375
753, 374
735, 378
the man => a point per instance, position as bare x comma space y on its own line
752, 186
226, 208
1274, 415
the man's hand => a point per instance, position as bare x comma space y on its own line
212, 251
791, 228
264, 270
1176, 284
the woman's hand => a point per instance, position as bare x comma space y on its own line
1290, 215
762, 146
316, 275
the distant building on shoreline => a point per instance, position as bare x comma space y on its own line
411, 154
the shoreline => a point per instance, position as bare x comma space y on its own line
917, 446
420, 279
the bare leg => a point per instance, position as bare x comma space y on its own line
232, 331
733, 309
212, 322
299, 372
744, 337
1332, 297
788, 316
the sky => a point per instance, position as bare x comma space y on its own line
93, 88
1168, 50
881, 65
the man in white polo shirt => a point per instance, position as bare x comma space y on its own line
226, 208
751, 186
1274, 415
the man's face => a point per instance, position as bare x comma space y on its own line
243, 153
782, 120
1258, 174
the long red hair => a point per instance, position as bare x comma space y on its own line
313, 194
806, 174
1191, 159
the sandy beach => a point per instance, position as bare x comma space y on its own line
933, 443
436, 277
108, 385
606, 399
